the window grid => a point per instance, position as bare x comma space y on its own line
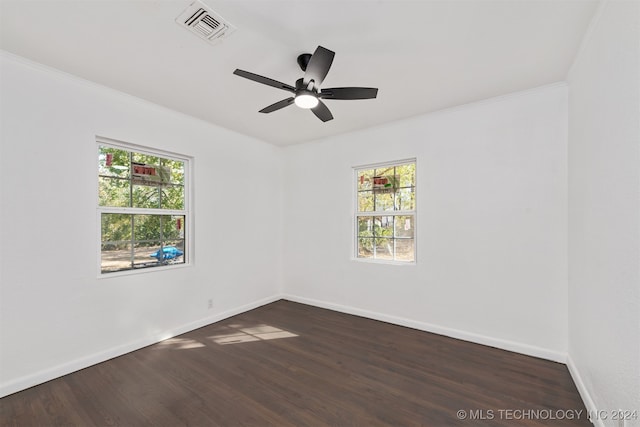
385, 212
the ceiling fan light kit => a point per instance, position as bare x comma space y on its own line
306, 100
307, 92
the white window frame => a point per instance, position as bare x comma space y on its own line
357, 213
186, 212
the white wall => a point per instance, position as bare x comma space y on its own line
492, 240
492, 223
56, 316
604, 212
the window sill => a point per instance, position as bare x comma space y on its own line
383, 262
142, 271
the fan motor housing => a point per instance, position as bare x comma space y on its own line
303, 60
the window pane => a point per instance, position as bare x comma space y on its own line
365, 201
405, 250
150, 174
386, 171
115, 257
113, 162
175, 169
405, 199
147, 228
115, 228
172, 227
384, 183
365, 179
171, 252
144, 254
172, 197
365, 226
404, 226
174, 251
383, 226
116, 242
384, 201
406, 175
384, 248
145, 196
145, 158
365, 247
113, 192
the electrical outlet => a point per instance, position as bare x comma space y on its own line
210, 304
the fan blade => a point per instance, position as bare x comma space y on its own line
278, 105
349, 93
322, 112
264, 80
318, 66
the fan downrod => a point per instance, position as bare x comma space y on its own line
303, 61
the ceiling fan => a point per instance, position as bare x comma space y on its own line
307, 93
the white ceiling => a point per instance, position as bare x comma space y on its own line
422, 55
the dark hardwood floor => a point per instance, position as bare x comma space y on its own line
289, 364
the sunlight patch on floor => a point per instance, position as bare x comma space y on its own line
180, 343
236, 334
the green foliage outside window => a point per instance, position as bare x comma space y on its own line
118, 189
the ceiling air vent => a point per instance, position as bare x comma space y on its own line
205, 23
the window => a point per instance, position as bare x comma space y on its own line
142, 205
385, 220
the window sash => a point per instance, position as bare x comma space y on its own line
133, 252
133, 148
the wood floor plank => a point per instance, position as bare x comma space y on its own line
288, 364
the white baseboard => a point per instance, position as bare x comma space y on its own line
584, 392
517, 347
102, 356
